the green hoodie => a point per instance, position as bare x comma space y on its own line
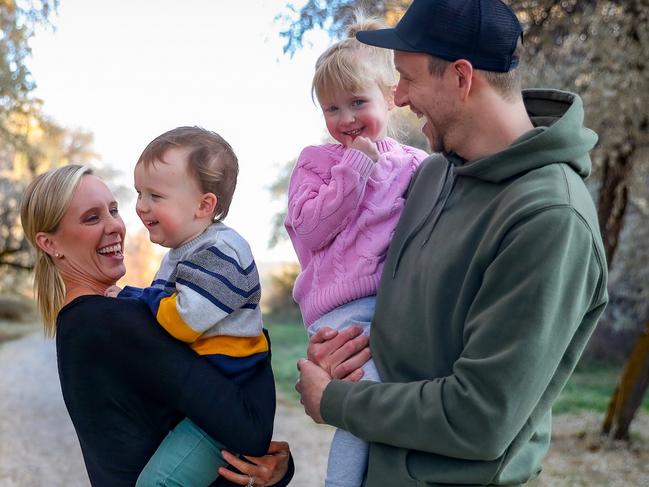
493, 283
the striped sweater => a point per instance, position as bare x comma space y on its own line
207, 293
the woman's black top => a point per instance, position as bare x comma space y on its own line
126, 383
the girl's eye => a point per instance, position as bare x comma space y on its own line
331, 109
357, 103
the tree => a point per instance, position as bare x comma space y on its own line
600, 49
18, 20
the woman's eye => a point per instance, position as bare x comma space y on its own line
91, 219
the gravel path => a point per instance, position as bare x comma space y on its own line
38, 445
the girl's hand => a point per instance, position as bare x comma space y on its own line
340, 354
112, 291
366, 146
262, 471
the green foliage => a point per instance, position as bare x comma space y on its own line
18, 21
333, 16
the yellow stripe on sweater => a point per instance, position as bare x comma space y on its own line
171, 320
231, 346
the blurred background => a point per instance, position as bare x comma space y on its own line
85, 81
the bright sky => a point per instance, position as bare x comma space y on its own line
130, 70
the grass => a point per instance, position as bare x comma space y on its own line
289, 344
589, 388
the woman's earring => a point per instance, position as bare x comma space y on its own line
57, 255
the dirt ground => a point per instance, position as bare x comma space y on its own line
38, 446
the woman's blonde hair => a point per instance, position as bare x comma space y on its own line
351, 66
43, 205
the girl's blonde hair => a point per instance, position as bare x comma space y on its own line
43, 205
350, 66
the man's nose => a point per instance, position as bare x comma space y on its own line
400, 96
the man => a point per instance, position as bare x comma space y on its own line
495, 277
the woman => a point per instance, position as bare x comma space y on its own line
125, 382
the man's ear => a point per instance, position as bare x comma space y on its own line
463, 75
207, 205
46, 243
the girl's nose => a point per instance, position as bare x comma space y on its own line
348, 117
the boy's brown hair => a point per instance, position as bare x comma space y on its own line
211, 161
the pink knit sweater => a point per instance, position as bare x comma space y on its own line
342, 212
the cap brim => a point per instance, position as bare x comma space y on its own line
386, 38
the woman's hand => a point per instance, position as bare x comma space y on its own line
258, 471
112, 291
340, 354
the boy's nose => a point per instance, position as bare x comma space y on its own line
140, 206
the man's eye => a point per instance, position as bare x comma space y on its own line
114, 211
155, 196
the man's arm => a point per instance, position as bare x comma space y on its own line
516, 358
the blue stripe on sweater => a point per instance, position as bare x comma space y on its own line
229, 259
163, 283
223, 279
205, 294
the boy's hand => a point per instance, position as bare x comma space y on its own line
112, 291
366, 146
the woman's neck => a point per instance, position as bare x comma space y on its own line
75, 289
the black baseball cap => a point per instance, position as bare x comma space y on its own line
485, 32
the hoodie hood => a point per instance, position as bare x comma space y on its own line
559, 135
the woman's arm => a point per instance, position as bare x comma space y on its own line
239, 416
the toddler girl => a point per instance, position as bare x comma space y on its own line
344, 201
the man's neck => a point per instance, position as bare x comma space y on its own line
493, 126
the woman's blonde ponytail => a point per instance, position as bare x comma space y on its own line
42, 207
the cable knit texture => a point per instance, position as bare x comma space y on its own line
342, 211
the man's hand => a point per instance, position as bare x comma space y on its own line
340, 354
311, 384
366, 146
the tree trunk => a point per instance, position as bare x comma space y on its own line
630, 390
613, 198
632, 385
